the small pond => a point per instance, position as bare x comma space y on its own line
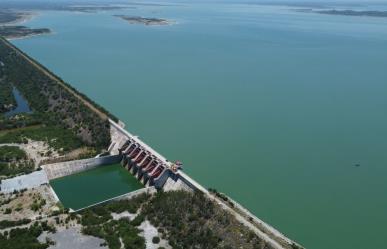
21, 104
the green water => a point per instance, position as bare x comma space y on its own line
271, 106
95, 185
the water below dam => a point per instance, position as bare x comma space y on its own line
92, 186
283, 110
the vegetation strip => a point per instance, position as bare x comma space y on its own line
89, 103
14, 161
67, 122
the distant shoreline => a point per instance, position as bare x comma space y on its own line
359, 13
14, 38
15, 30
23, 18
145, 20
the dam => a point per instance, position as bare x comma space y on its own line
139, 159
131, 167
146, 164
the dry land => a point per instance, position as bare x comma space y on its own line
144, 20
29, 204
346, 12
37, 151
177, 219
10, 27
10, 17
18, 32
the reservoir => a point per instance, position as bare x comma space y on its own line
272, 106
93, 186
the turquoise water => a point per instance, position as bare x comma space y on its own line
271, 106
93, 186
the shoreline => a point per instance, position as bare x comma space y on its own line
27, 36
24, 18
146, 21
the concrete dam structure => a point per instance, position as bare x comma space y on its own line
148, 169
146, 164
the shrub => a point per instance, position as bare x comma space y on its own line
10, 223
156, 240
138, 220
